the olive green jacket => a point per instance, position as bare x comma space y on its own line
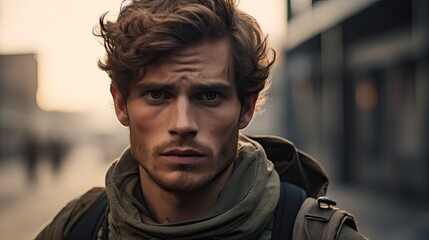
64, 221
312, 172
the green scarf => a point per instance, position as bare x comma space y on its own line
243, 210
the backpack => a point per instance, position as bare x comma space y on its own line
303, 211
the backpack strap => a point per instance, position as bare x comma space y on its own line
318, 219
290, 201
89, 224
64, 222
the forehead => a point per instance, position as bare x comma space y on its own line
202, 61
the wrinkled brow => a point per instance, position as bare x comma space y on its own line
173, 86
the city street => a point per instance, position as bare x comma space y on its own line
25, 207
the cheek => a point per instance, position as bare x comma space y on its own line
224, 137
144, 129
223, 123
143, 118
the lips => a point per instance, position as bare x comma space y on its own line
183, 153
183, 156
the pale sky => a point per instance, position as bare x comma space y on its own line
60, 33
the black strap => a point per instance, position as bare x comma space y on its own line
88, 226
290, 201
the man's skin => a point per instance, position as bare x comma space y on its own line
184, 116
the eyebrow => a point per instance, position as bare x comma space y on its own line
155, 86
202, 87
194, 87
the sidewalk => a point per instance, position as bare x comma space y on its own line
25, 208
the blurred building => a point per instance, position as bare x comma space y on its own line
28, 133
18, 84
357, 90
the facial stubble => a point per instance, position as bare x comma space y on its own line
184, 183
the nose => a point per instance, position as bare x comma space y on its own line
182, 119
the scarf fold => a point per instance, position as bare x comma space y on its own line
243, 210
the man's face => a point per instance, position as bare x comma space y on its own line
184, 117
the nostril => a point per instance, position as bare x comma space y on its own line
183, 132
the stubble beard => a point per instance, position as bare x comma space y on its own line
184, 183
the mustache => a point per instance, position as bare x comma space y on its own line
181, 143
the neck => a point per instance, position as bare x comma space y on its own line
177, 207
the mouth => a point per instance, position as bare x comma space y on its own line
183, 156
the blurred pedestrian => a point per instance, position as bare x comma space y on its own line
31, 153
56, 150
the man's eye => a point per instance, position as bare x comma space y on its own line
210, 96
155, 95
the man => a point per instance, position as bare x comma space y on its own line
186, 75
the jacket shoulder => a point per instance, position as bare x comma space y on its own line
65, 220
320, 218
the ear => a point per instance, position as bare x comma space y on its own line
247, 111
120, 105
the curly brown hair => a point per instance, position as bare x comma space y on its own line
147, 30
